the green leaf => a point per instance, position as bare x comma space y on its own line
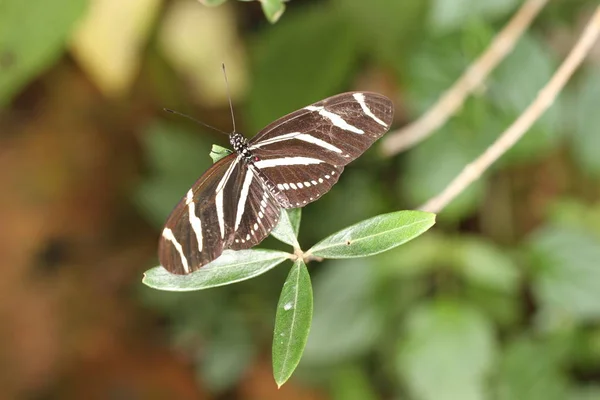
227, 353
532, 370
292, 322
384, 28
286, 229
212, 3
273, 9
374, 235
33, 35
586, 138
172, 154
346, 311
217, 152
447, 353
283, 51
484, 265
353, 383
230, 267
449, 15
566, 277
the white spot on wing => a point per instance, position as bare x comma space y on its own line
287, 306
293, 186
276, 162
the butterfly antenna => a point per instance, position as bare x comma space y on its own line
229, 96
195, 120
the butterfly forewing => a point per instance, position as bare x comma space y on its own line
303, 153
191, 236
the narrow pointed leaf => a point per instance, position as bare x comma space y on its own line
217, 152
292, 322
231, 267
287, 227
374, 235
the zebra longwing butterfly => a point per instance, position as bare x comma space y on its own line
290, 163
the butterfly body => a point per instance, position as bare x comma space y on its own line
292, 162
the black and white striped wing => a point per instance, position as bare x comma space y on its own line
304, 153
228, 207
256, 212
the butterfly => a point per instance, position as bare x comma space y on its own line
291, 162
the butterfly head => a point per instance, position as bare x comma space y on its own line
240, 146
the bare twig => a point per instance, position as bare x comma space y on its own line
509, 137
453, 99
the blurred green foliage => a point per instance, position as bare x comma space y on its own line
33, 35
493, 304
446, 316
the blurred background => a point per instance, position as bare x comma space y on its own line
501, 300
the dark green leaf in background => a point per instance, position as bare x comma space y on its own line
230, 267
352, 383
286, 229
448, 352
448, 15
531, 370
297, 65
374, 235
292, 322
177, 158
346, 322
385, 30
566, 276
33, 35
485, 265
226, 353
432, 166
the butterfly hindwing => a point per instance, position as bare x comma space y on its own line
256, 214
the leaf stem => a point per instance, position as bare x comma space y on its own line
453, 99
510, 136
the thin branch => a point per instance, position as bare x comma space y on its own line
509, 137
453, 99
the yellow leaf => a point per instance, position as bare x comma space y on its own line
109, 42
196, 40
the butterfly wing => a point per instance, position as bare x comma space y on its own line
304, 153
194, 232
256, 212
229, 207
